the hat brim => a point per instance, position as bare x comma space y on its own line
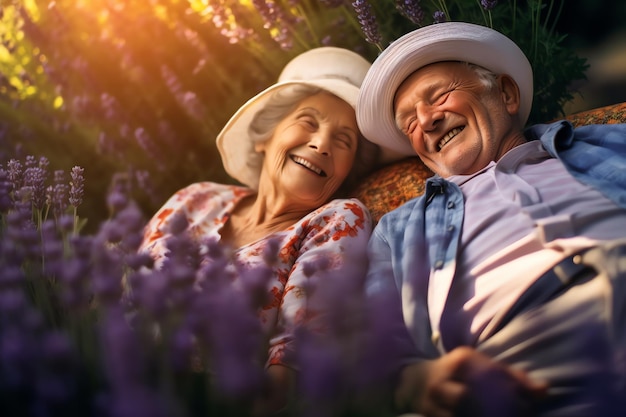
234, 143
451, 41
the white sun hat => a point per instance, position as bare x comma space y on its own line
336, 70
450, 41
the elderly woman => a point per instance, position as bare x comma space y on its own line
297, 148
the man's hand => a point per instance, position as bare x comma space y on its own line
466, 382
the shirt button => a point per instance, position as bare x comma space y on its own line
450, 228
439, 264
450, 204
436, 336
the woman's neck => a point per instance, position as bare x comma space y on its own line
255, 217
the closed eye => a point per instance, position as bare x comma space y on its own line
345, 141
409, 126
441, 98
308, 121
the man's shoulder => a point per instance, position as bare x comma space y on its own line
400, 214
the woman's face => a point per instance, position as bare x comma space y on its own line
312, 150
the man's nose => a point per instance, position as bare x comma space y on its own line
428, 116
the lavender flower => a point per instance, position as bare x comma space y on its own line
222, 17
16, 172
57, 375
125, 364
35, 185
411, 9
151, 148
77, 186
5, 191
439, 17
488, 4
368, 22
278, 22
57, 194
197, 311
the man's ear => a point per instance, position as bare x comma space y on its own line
510, 93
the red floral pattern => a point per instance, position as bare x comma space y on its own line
333, 237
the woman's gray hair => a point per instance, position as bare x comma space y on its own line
284, 101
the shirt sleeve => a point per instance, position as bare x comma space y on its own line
382, 292
185, 202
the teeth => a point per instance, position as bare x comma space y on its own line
307, 164
449, 136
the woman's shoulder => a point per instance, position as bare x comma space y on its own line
343, 209
208, 189
341, 204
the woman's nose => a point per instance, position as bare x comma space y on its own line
321, 143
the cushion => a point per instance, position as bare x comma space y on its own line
615, 113
392, 185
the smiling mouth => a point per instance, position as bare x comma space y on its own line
308, 165
448, 136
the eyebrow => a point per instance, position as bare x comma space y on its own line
316, 111
313, 109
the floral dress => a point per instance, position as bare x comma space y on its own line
333, 237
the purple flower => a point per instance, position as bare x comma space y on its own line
237, 345
5, 191
321, 370
151, 148
116, 201
178, 224
277, 19
439, 16
57, 383
121, 350
22, 232
181, 348
35, 186
77, 186
11, 277
255, 282
488, 4
16, 173
368, 22
57, 194
411, 9
221, 17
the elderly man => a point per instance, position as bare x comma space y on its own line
508, 273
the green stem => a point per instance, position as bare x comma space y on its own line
486, 16
556, 17
75, 216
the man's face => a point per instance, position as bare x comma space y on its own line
456, 122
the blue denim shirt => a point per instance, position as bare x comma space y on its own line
424, 234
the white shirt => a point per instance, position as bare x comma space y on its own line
529, 205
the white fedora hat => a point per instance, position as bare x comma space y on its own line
336, 70
450, 41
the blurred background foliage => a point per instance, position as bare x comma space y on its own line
142, 87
